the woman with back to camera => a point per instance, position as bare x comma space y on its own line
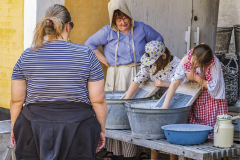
61, 86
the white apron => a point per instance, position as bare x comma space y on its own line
119, 78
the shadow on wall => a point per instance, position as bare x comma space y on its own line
4, 114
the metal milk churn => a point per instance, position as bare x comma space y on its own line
224, 131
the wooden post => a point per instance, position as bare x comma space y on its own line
182, 158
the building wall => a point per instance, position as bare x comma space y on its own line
88, 16
42, 5
11, 43
229, 15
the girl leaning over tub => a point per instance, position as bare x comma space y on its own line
201, 66
157, 65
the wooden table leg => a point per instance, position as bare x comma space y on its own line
182, 158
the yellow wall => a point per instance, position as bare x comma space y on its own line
11, 43
88, 16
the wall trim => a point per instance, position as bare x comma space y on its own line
30, 21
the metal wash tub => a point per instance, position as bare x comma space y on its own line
146, 120
116, 113
5, 133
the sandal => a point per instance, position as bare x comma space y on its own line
144, 156
108, 156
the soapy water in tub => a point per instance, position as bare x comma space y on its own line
178, 101
140, 93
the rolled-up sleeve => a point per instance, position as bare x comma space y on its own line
180, 74
142, 75
98, 39
216, 86
96, 72
17, 70
151, 34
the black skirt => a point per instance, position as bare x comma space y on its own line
56, 131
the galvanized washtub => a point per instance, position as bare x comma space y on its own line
146, 120
5, 133
116, 113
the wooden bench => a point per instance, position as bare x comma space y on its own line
204, 151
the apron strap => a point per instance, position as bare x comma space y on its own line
133, 46
115, 66
116, 50
134, 54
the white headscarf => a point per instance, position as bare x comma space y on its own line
122, 6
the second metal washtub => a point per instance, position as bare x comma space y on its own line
5, 133
116, 113
146, 120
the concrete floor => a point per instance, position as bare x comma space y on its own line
148, 151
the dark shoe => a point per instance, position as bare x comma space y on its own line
144, 156
108, 156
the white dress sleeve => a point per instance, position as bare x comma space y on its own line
180, 74
142, 75
216, 87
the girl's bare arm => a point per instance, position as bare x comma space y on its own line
131, 90
173, 87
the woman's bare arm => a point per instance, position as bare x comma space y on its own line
101, 58
98, 99
18, 96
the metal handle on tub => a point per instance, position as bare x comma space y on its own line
11, 153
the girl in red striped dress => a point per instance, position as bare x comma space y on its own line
201, 66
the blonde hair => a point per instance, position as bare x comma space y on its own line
53, 23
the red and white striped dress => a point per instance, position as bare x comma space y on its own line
206, 108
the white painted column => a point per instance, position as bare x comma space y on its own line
34, 10
30, 21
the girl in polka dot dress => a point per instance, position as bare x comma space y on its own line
157, 65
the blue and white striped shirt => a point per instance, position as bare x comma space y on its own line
58, 71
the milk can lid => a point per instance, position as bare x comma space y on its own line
224, 116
